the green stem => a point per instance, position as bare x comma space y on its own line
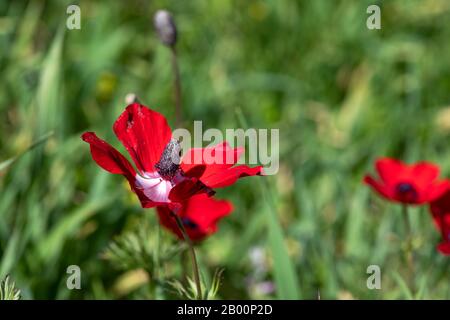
177, 86
178, 115
192, 255
409, 246
156, 257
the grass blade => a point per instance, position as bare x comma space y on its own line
284, 272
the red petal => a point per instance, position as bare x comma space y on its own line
440, 209
165, 218
200, 163
424, 173
113, 161
206, 212
201, 210
186, 189
390, 170
107, 157
145, 202
381, 189
212, 159
444, 248
437, 190
144, 133
229, 176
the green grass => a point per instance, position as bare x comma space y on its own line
341, 95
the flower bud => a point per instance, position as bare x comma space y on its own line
165, 27
131, 98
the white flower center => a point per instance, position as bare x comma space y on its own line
154, 186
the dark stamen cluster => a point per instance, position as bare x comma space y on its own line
407, 191
169, 163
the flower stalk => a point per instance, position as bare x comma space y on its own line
167, 32
409, 246
192, 254
176, 85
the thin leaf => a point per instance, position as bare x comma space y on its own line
8, 290
5, 164
403, 286
284, 272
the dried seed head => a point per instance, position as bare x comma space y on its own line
166, 28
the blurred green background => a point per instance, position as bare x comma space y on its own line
341, 95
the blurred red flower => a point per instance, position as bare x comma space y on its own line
199, 214
160, 178
409, 184
440, 209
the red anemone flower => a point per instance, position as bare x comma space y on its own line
409, 184
160, 178
199, 214
440, 209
